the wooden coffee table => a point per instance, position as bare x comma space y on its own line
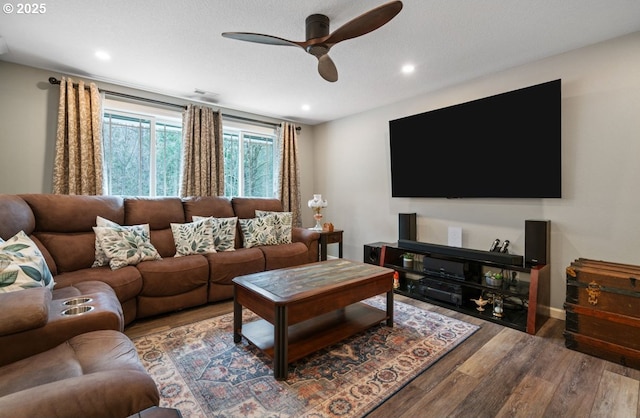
308, 307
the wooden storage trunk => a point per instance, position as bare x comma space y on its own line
603, 310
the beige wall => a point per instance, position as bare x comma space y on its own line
28, 112
598, 216
28, 120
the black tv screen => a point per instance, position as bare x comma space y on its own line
503, 146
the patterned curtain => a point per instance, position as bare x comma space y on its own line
202, 157
78, 167
289, 173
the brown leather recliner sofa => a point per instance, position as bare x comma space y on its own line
61, 226
56, 365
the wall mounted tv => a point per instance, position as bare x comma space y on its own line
502, 146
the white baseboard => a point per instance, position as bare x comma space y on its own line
558, 314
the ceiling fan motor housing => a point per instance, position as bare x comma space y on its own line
317, 26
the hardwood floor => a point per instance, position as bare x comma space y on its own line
497, 372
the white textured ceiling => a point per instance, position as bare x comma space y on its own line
174, 47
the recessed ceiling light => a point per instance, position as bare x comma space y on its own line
408, 68
306, 107
104, 56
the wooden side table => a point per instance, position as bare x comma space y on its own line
333, 237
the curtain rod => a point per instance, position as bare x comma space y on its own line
263, 122
53, 80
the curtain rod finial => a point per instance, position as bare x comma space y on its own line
53, 80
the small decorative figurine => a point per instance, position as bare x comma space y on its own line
498, 307
480, 302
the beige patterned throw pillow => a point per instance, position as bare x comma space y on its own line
194, 237
282, 224
258, 231
224, 232
125, 247
22, 265
101, 258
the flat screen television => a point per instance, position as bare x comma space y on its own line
502, 146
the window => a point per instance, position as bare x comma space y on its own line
142, 150
142, 153
250, 160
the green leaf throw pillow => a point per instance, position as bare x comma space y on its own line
22, 265
282, 224
224, 232
101, 257
125, 247
194, 237
258, 231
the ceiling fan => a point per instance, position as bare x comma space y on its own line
319, 40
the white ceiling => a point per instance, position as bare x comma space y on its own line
174, 47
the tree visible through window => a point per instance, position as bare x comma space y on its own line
249, 163
142, 155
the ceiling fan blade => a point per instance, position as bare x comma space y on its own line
365, 23
261, 39
327, 68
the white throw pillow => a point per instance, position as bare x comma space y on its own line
224, 232
22, 265
125, 247
101, 258
282, 222
258, 231
193, 237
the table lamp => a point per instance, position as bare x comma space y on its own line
317, 204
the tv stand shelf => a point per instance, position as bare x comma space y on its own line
451, 277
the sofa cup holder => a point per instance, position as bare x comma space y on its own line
77, 301
77, 310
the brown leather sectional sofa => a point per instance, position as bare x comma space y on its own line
61, 225
101, 372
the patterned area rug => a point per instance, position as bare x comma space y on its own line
200, 371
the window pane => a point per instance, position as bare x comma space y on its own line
168, 148
231, 163
126, 152
258, 166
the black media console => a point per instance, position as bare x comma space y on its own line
456, 277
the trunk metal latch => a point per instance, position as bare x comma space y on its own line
593, 290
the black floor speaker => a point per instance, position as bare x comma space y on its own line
407, 226
537, 236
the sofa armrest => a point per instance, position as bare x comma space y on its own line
109, 393
57, 328
309, 238
24, 310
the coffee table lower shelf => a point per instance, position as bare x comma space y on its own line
313, 334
